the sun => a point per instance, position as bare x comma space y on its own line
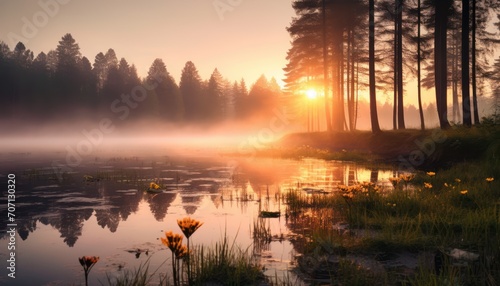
311, 93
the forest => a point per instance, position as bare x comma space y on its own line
64, 84
352, 65
391, 47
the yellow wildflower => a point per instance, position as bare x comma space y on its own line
189, 225
154, 186
431, 174
458, 180
174, 243
181, 251
464, 192
427, 185
490, 179
406, 177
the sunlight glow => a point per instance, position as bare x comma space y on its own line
311, 93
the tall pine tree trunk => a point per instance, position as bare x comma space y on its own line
353, 100
395, 69
337, 107
419, 69
325, 71
454, 75
342, 83
401, 115
474, 79
440, 60
371, 44
348, 80
466, 112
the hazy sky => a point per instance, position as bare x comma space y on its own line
242, 38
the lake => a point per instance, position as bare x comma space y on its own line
60, 216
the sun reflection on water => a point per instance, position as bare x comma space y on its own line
115, 218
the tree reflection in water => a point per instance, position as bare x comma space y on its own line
209, 188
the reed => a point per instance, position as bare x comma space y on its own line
225, 264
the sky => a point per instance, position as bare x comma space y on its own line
241, 38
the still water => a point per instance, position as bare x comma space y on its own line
60, 218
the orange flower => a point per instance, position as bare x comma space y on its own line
181, 252
490, 179
427, 185
174, 242
407, 177
464, 192
188, 225
431, 174
88, 261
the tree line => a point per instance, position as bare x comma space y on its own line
344, 46
64, 84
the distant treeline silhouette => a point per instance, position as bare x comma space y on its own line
64, 84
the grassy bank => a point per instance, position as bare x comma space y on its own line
356, 235
420, 149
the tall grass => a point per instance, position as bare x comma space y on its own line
140, 276
225, 264
453, 208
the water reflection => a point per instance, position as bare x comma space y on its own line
229, 197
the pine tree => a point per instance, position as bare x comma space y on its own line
191, 91
166, 91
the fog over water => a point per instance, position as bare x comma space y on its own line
104, 137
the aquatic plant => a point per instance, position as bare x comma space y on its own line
88, 263
174, 243
188, 226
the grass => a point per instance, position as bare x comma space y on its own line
223, 264
459, 208
138, 277
455, 145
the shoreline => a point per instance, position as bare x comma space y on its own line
410, 149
